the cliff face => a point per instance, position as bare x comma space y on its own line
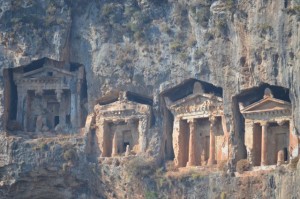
147, 46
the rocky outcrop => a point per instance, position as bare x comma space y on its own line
147, 47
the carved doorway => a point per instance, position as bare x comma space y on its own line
52, 117
127, 140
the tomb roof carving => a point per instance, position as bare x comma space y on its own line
114, 96
47, 72
197, 98
267, 109
50, 95
122, 119
198, 104
268, 104
42, 72
177, 90
121, 106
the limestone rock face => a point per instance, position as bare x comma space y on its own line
147, 47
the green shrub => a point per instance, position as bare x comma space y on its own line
70, 155
199, 53
222, 24
191, 41
138, 35
51, 8
243, 165
201, 15
166, 29
175, 46
140, 167
170, 166
222, 27
41, 146
184, 56
208, 36
293, 163
107, 9
129, 10
133, 26
294, 10
223, 195
229, 3
151, 195
223, 166
265, 28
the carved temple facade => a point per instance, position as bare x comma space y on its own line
122, 126
48, 96
269, 137
199, 132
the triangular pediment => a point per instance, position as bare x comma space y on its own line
47, 72
118, 107
196, 99
122, 103
267, 104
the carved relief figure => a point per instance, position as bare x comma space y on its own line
122, 125
268, 131
199, 135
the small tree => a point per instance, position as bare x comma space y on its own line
243, 165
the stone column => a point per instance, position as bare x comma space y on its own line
73, 110
62, 110
20, 105
78, 102
192, 143
280, 157
127, 152
212, 146
101, 133
264, 143
176, 143
114, 146
25, 107
60, 99
142, 131
293, 144
249, 142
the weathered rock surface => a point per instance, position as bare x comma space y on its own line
146, 46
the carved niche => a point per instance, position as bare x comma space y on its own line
122, 125
49, 96
199, 136
268, 131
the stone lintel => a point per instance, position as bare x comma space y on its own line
269, 120
197, 115
267, 113
117, 120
